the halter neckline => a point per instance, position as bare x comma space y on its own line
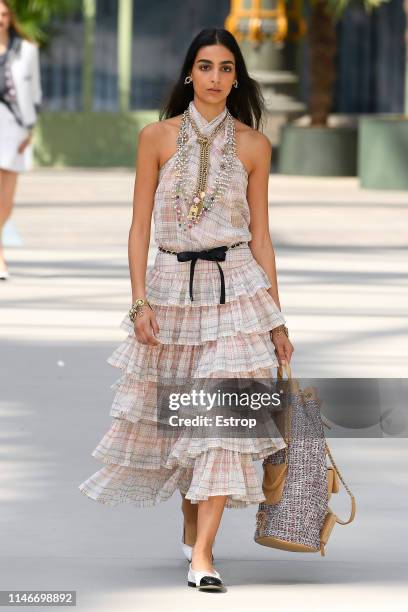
203, 125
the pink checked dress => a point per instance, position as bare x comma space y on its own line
202, 338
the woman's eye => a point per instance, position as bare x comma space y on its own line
225, 68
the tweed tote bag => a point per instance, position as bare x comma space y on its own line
297, 482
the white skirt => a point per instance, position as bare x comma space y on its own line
11, 135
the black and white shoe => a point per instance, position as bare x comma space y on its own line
204, 580
4, 275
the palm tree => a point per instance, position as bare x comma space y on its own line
322, 37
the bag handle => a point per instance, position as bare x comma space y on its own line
288, 420
287, 367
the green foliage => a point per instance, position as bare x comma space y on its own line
337, 7
35, 16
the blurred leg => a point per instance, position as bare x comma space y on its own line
8, 182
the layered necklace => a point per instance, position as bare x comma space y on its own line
202, 199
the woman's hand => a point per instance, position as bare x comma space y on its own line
24, 144
143, 326
283, 346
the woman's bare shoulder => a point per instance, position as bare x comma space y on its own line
157, 130
250, 135
161, 136
251, 144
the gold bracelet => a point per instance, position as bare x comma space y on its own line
137, 308
281, 329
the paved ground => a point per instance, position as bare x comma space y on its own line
342, 265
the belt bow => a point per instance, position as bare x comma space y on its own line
217, 254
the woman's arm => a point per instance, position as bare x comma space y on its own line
143, 199
36, 79
36, 93
261, 244
257, 195
139, 233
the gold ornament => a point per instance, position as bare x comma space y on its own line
205, 144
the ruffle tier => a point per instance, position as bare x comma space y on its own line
135, 399
144, 445
192, 325
215, 472
242, 354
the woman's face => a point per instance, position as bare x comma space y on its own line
213, 73
4, 18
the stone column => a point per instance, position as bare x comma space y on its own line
125, 22
89, 12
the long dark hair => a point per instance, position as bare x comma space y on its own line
245, 103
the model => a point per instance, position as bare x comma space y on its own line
209, 305
20, 98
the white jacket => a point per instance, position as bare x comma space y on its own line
25, 72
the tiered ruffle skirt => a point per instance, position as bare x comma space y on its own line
199, 339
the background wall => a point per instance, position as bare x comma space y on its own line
370, 73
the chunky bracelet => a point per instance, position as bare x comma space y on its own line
281, 329
137, 308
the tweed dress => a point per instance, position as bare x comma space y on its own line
198, 339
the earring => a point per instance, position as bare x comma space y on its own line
235, 83
187, 80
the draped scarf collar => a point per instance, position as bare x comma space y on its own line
205, 127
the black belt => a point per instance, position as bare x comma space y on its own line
217, 254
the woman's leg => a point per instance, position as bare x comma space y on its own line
208, 520
8, 182
190, 521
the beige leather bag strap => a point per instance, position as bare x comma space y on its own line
353, 501
288, 413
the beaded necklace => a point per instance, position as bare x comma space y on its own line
202, 200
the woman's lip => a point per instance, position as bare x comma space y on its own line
214, 90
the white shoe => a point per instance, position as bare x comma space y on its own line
4, 275
204, 580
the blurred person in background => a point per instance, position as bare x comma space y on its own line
20, 98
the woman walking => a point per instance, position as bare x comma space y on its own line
20, 97
209, 305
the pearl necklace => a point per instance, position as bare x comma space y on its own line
202, 200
